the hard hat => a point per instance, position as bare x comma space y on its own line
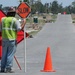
11, 9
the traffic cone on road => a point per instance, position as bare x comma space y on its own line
48, 62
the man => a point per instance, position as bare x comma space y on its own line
9, 27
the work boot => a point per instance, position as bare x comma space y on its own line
9, 71
2, 71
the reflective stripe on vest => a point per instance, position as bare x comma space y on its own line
8, 28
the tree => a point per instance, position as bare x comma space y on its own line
20, 1
73, 4
39, 9
26, 1
54, 7
0, 6
60, 8
32, 2
47, 7
72, 7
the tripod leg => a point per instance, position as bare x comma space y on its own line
17, 63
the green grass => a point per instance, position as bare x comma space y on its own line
54, 17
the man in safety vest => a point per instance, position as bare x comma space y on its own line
9, 27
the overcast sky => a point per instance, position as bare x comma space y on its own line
16, 3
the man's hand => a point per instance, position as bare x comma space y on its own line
24, 20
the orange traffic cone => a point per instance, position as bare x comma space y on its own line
48, 62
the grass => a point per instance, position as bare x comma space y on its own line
54, 17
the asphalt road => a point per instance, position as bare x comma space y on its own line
60, 37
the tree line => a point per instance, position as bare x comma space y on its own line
52, 7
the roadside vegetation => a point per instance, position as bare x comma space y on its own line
42, 20
73, 18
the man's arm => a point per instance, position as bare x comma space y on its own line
19, 25
23, 24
